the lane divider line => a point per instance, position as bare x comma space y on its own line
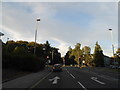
72, 76
67, 71
78, 81
82, 86
33, 86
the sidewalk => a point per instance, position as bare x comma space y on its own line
10, 74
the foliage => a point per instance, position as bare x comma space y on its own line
117, 56
87, 55
20, 55
98, 57
73, 55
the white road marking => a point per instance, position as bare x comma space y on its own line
78, 81
95, 79
72, 76
82, 86
67, 71
54, 80
33, 86
107, 77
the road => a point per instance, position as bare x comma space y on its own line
70, 77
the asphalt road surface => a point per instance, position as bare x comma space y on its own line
70, 77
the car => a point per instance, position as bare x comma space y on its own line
114, 67
57, 67
111, 66
118, 67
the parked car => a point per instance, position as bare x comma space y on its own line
114, 66
118, 67
111, 66
57, 67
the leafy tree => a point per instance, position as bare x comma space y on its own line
77, 52
20, 55
86, 55
118, 55
73, 56
10, 45
20, 50
98, 55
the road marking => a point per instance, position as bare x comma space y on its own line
82, 85
67, 71
95, 79
33, 86
107, 77
54, 80
72, 76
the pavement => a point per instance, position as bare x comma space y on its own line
70, 77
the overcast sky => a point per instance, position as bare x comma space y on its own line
63, 24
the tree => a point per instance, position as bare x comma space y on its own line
77, 52
20, 50
86, 55
73, 56
98, 57
118, 55
67, 56
10, 45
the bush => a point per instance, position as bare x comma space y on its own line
27, 62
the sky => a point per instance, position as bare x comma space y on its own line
63, 24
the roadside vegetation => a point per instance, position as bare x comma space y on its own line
83, 56
20, 56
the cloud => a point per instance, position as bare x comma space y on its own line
89, 23
61, 0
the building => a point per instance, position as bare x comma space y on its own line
107, 61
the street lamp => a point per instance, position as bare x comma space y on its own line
1, 34
36, 35
83, 62
112, 42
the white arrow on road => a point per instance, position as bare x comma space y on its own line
54, 80
95, 79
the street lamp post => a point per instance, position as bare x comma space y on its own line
63, 61
52, 55
78, 59
36, 35
52, 52
112, 43
1, 34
